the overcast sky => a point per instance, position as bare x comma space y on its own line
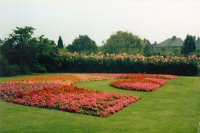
155, 20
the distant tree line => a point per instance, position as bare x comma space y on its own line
126, 42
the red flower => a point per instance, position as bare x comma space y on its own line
65, 97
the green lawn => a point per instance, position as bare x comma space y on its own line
174, 108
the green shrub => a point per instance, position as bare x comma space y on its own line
7, 69
39, 69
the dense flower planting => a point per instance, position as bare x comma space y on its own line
141, 82
143, 76
140, 85
125, 63
65, 97
67, 79
58, 92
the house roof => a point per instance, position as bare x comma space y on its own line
171, 42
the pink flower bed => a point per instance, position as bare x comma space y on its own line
65, 97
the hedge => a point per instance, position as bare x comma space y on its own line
129, 64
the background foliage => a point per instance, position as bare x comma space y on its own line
21, 53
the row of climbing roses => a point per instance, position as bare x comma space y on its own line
127, 63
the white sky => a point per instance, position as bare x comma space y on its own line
155, 20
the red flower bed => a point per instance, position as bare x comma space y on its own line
65, 97
58, 92
142, 82
139, 85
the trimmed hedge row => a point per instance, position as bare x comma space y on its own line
128, 65
109, 63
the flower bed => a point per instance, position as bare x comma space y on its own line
58, 92
141, 82
65, 97
141, 85
142, 76
66, 79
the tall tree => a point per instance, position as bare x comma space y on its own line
121, 42
26, 51
18, 47
46, 54
189, 45
60, 42
83, 44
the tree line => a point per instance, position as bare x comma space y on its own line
126, 42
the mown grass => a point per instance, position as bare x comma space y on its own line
174, 108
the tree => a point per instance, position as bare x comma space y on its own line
27, 52
1, 42
60, 42
189, 45
148, 49
46, 56
121, 42
198, 43
17, 48
83, 44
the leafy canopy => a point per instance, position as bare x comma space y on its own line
27, 52
83, 44
18, 48
122, 42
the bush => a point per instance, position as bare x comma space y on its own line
12, 70
7, 69
39, 69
